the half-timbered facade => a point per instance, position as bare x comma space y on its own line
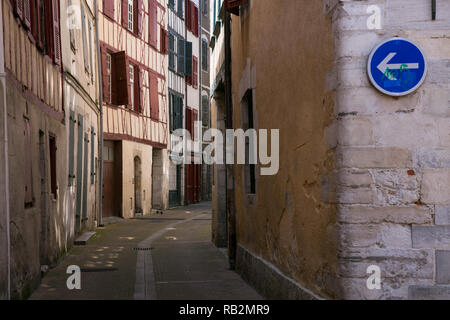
134, 47
35, 227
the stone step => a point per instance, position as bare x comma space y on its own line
84, 238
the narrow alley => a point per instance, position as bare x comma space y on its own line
179, 262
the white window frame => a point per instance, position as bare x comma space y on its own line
131, 15
131, 71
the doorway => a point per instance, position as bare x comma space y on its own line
137, 186
112, 190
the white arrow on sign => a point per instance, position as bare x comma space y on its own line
384, 66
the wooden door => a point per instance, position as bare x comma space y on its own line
108, 189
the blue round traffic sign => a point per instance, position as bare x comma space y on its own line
397, 67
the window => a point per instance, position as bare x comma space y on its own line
176, 111
248, 123
205, 52
153, 24
180, 8
205, 111
154, 96
53, 183
180, 56
205, 7
192, 18
131, 87
91, 51
130, 15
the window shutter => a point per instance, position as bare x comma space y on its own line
49, 29
56, 33
140, 17
189, 120
171, 51
192, 17
124, 13
179, 113
181, 67
83, 35
194, 123
188, 14
120, 78
188, 70
34, 20
196, 25
28, 172
154, 96
105, 88
27, 12
153, 23
71, 147
164, 42
108, 8
195, 72
93, 144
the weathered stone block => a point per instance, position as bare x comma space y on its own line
355, 132
419, 292
374, 158
346, 195
393, 263
406, 130
383, 235
436, 186
396, 187
433, 158
442, 267
354, 178
442, 215
431, 237
401, 215
436, 102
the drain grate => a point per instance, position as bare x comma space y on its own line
143, 249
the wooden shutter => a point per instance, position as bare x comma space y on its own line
56, 33
121, 79
49, 31
139, 12
164, 41
154, 96
194, 120
71, 147
93, 144
195, 72
105, 88
188, 14
28, 172
124, 13
53, 181
27, 12
84, 37
192, 13
181, 53
196, 25
108, 8
153, 23
188, 59
138, 90
34, 21
189, 120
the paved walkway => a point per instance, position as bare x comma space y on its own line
175, 260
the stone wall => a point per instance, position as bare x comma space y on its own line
392, 177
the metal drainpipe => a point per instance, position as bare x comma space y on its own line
230, 207
5, 141
100, 99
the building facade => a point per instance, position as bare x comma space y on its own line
133, 36
82, 114
35, 227
363, 178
